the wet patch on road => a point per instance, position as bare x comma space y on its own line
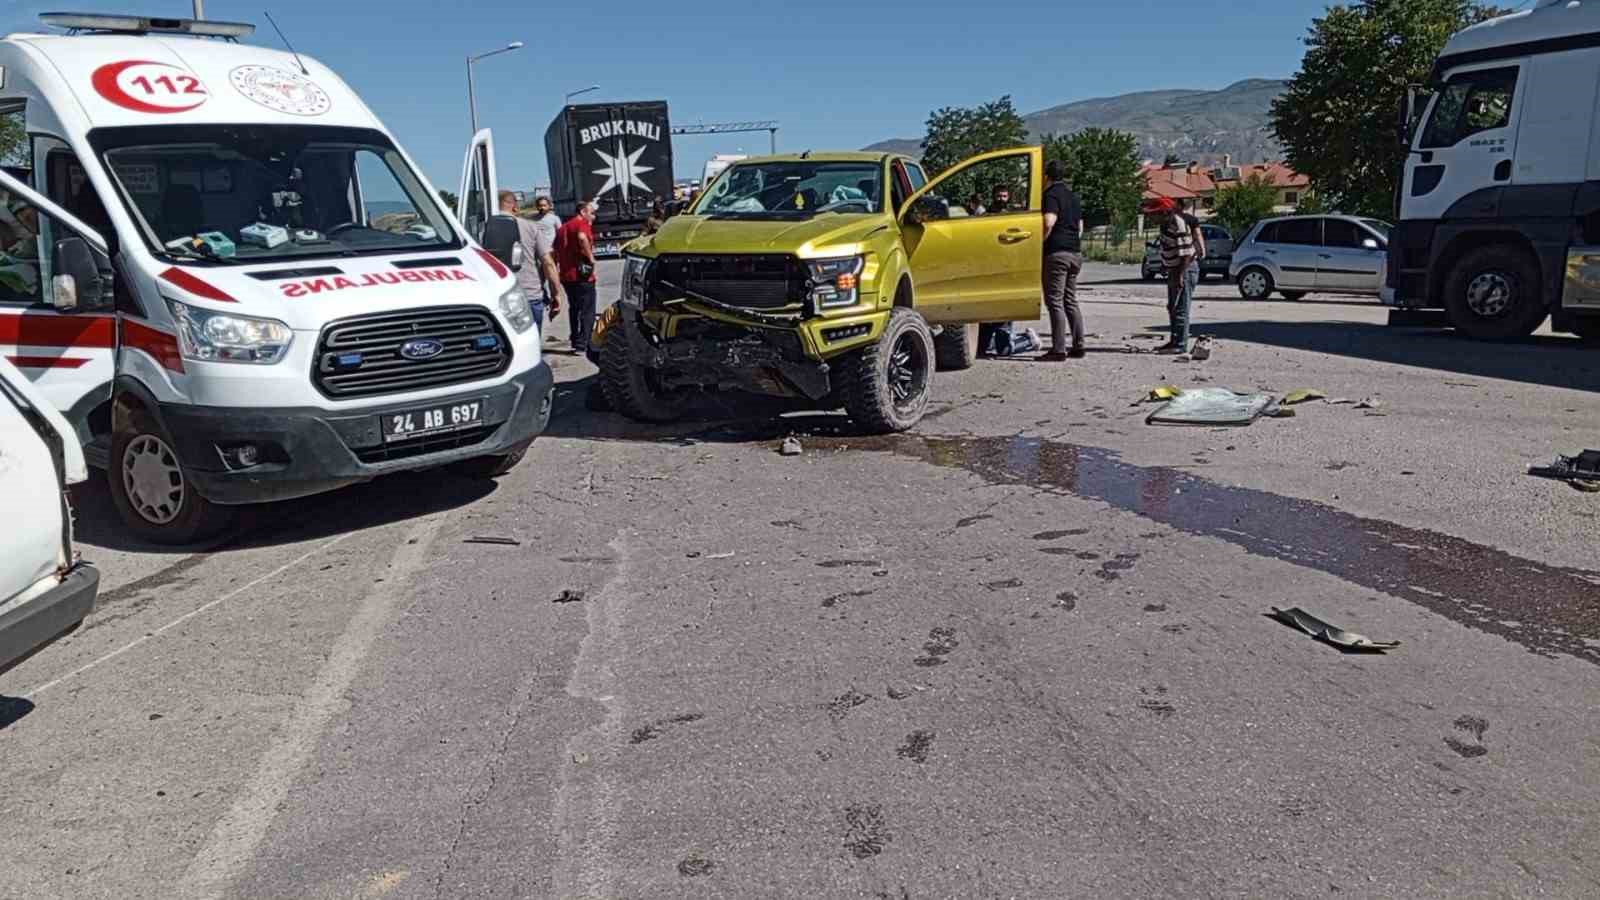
694, 866
941, 643
969, 521
836, 599
916, 747
840, 706
659, 727
1006, 585
1058, 535
849, 564
1155, 702
865, 831
1549, 610
1066, 601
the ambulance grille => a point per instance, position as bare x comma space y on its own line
360, 356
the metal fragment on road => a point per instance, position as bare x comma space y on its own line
1332, 634
790, 447
1301, 396
569, 596
1211, 406
1585, 467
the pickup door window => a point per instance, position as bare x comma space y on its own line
977, 268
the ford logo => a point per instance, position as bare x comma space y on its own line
421, 348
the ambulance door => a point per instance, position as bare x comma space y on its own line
476, 202
57, 319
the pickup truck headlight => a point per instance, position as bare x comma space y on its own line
635, 279
836, 282
514, 303
208, 336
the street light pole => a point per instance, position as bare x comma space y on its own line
571, 94
472, 95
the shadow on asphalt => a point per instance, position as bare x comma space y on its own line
384, 501
12, 710
1545, 360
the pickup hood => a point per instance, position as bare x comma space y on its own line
805, 237
306, 295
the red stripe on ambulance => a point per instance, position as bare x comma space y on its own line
47, 362
371, 279
195, 285
161, 346
47, 330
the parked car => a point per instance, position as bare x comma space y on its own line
1219, 254
45, 591
1296, 255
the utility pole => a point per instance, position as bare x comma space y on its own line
472, 96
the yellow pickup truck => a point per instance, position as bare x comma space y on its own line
840, 278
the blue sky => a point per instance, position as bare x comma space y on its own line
836, 74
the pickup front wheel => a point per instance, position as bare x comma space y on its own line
886, 385
632, 389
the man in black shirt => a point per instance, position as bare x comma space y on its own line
1063, 259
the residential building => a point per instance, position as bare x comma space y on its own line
1195, 186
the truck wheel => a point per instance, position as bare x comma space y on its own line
886, 385
482, 467
956, 347
1493, 294
151, 491
1255, 283
632, 389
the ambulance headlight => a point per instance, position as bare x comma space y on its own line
207, 336
514, 303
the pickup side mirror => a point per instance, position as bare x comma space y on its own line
928, 208
1370, 244
502, 239
78, 281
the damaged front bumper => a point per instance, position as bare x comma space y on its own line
706, 353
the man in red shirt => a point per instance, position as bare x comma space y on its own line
575, 258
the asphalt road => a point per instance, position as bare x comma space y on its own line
1022, 652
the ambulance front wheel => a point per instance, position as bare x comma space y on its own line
152, 492
481, 467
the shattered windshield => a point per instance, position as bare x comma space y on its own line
258, 193
794, 190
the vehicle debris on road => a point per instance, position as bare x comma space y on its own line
568, 595
1211, 406
490, 539
1581, 471
790, 447
1332, 634
1301, 396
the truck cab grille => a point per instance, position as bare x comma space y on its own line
361, 356
749, 280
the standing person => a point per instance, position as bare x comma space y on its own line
1183, 245
658, 216
575, 259
1063, 260
542, 217
538, 265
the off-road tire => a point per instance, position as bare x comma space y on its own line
594, 396
1251, 288
177, 516
630, 388
1493, 294
955, 348
483, 467
865, 376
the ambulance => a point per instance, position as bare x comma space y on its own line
224, 271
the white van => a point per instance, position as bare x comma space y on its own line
221, 267
45, 591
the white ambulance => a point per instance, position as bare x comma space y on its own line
224, 271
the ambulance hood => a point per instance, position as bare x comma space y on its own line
149, 80
307, 295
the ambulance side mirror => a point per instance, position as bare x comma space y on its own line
78, 282
501, 238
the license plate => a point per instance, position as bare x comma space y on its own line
609, 248
439, 418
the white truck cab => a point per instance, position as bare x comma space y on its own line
1499, 206
45, 590
228, 276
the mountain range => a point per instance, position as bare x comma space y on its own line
1194, 125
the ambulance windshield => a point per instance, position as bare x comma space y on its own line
258, 193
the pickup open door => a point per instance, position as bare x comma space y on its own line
978, 268
476, 201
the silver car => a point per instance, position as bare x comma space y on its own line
1296, 255
1219, 254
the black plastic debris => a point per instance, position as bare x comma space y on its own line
1583, 467
1332, 634
501, 541
570, 596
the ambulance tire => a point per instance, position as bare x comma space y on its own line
143, 462
1493, 294
956, 347
887, 384
484, 467
631, 388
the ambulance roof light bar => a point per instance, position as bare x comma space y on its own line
77, 23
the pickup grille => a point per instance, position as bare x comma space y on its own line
360, 356
750, 281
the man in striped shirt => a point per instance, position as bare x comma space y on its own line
1183, 245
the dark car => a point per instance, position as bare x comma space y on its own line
1219, 254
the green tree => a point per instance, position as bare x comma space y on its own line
449, 199
1242, 205
1171, 160
1103, 167
1336, 117
13, 141
956, 132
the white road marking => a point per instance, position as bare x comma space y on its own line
236, 836
187, 616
